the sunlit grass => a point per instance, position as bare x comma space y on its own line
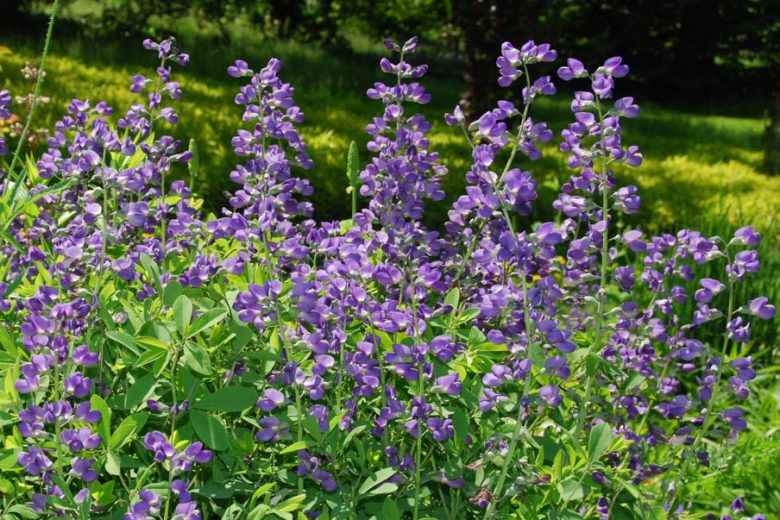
695, 165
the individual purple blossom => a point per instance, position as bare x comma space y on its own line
270, 400
81, 439
558, 366
159, 445
78, 385
34, 461
441, 429
147, 506
193, 454
747, 236
271, 430
739, 330
676, 408
762, 308
449, 384
82, 468
455, 483
733, 416
573, 69
551, 395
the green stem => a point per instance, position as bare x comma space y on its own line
420, 424
602, 296
520, 423
173, 432
691, 451
418, 449
36, 93
163, 211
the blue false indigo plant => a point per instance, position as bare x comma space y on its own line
167, 364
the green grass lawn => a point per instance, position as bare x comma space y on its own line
695, 165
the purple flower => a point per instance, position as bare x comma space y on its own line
82, 469
455, 483
441, 429
81, 439
270, 400
733, 416
676, 408
78, 385
573, 69
762, 308
148, 505
558, 366
739, 330
551, 395
449, 384
747, 236
34, 461
272, 430
159, 445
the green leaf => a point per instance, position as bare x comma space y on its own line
384, 489
23, 511
453, 299
390, 510
469, 314
460, 424
104, 425
152, 269
182, 313
126, 340
570, 490
139, 390
7, 341
113, 466
197, 358
206, 320
235, 398
296, 446
353, 165
210, 430
126, 430
291, 504
599, 440
194, 163
173, 290
376, 479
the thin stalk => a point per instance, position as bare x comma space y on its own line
173, 431
36, 92
602, 297
418, 449
420, 424
163, 211
691, 452
288, 352
520, 423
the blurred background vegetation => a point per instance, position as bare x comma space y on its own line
706, 73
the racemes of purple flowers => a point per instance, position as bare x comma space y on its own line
501, 365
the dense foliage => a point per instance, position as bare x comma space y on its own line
172, 364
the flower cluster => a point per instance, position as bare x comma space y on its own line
506, 366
